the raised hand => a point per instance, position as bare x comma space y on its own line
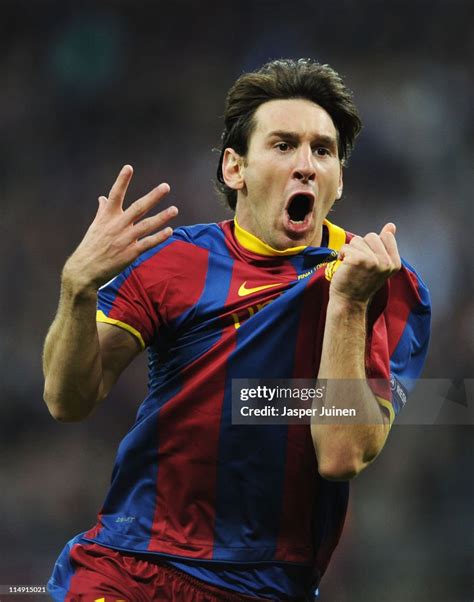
117, 237
366, 264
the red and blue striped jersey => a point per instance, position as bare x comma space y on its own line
211, 304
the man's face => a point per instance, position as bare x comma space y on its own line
291, 175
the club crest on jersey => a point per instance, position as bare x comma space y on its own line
331, 269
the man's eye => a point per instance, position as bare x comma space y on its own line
322, 151
283, 146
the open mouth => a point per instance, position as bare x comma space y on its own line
300, 207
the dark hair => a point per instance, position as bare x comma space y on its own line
282, 79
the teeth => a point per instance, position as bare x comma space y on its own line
296, 221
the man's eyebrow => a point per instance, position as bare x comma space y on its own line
284, 134
294, 136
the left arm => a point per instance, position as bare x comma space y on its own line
344, 449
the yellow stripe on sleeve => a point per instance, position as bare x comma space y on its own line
101, 317
387, 405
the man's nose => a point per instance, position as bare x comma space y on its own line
304, 169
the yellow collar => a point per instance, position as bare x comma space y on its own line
337, 237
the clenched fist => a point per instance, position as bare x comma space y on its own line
366, 264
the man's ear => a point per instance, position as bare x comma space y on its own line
340, 187
232, 172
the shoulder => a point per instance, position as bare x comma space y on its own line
185, 242
198, 234
408, 284
185, 253
210, 237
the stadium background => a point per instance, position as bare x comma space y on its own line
87, 87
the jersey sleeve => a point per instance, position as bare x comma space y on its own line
157, 291
399, 331
125, 302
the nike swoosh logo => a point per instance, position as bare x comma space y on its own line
243, 290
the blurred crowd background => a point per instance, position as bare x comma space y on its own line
89, 86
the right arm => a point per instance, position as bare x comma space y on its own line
83, 359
